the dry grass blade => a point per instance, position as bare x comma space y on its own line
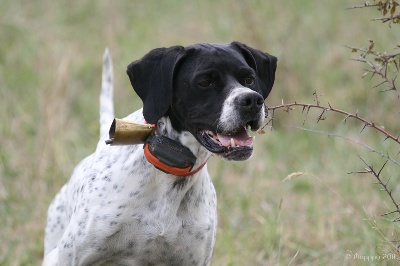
292, 175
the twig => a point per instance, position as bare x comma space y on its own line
369, 169
378, 69
362, 6
387, 7
385, 19
289, 106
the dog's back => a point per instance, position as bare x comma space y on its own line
56, 224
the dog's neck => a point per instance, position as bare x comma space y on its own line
180, 184
165, 128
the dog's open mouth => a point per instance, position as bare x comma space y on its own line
237, 145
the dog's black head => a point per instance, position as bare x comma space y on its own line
214, 91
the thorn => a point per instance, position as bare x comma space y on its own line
363, 128
306, 115
345, 119
321, 117
384, 139
383, 82
359, 172
383, 166
389, 89
391, 212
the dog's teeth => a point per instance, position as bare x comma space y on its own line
233, 144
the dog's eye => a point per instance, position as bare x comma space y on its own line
204, 83
249, 80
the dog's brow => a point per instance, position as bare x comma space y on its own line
209, 73
246, 71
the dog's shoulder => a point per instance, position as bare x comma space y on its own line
98, 169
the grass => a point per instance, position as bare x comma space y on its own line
50, 67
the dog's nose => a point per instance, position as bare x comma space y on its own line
250, 102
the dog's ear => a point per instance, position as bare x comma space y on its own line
264, 64
152, 79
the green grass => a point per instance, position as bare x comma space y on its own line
50, 70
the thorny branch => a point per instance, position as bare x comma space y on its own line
287, 107
363, 6
370, 170
381, 65
387, 7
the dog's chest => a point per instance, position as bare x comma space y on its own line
146, 219
174, 229
177, 241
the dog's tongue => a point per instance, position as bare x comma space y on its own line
241, 138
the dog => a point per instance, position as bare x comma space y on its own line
118, 208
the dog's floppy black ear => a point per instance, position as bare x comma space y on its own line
152, 79
264, 64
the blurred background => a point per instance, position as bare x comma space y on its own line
50, 74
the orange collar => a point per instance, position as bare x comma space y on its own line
167, 168
186, 171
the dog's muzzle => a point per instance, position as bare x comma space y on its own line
235, 146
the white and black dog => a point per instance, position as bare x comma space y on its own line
117, 208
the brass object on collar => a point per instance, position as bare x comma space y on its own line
123, 132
